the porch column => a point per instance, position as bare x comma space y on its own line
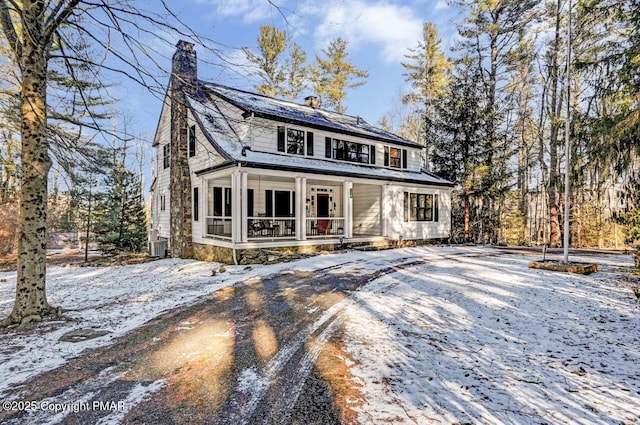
244, 225
301, 209
347, 209
236, 206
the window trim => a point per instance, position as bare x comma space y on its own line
226, 207
412, 208
349, 151
166, 155
286, 140
396, 161
270, 202
295, 138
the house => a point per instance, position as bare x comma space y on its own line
236, 170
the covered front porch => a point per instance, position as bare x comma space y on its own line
260, 207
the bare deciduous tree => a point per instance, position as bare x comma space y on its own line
38, 34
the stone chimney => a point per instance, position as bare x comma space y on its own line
183, 82
184, 66
312, 101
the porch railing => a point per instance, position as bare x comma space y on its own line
271, 227
277, 227
218, 227
325, 226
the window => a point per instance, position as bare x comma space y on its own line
222, 202
295, 141
163, 204
292, 141
349, 151
165, 155
192, 141
279, 203
420, 207
395, 157
196, 204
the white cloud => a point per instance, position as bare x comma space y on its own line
441, 5
394, 28
250, 10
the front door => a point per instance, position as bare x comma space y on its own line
323, 205
322, 210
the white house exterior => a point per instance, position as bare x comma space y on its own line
258, 172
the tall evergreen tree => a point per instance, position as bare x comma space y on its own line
427, 70
296, 73
490, 33
272, 44
280, 75
331, 77
120, 223
457, 153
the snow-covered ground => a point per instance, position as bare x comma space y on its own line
464, 335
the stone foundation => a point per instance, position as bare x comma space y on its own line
218, 254
211, 253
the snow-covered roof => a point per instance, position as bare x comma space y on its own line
287, 111
216, 127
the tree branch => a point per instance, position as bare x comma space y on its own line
9, 29
57, 19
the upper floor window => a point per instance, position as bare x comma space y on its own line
350, 151
291, 140
395, 157
165, 156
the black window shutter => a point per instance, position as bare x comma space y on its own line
280, 139
310, 143
386, 156
435, 208
268, 201
250, 202
327, 147
404, 158
196, 204
372, 156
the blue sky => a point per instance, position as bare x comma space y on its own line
378, 31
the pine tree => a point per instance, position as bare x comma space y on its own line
489, 34
120, 218
296, 73
427, 71
332, 77
271, 44
457, 154
280, 76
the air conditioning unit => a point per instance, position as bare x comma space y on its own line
157, 248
